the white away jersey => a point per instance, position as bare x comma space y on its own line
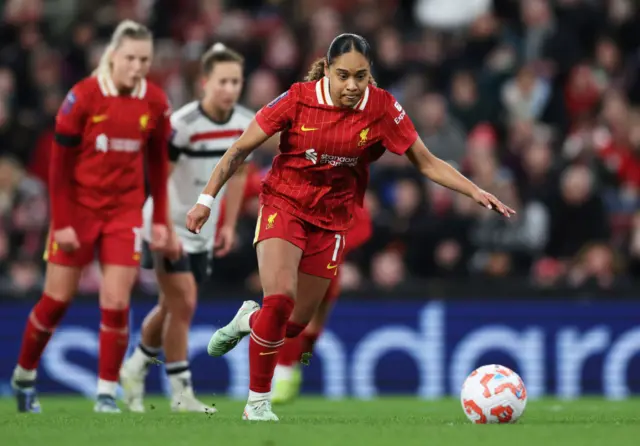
197, 143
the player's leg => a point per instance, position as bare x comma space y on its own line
134, 370
280, 241
61, 284
314, 329
115, 293
179, 285
120, 249
288, 376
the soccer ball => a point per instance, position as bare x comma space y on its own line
493, 394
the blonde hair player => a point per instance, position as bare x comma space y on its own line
107, 126
202, 132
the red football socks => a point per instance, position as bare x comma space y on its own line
267, 336
114, 339
293, 348
308, 342
41, 324
290, 352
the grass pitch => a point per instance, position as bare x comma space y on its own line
69, 421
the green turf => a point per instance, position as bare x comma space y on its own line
312, 421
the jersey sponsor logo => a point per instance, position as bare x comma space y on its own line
104, 144
278, 99
144, 122
336, 161
333, 160
364, 137
99, 118
330, 266
400, 117
402, 114
308, 129
271, 220
311, 155
68, 103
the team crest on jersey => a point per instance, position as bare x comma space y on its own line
278, 99
364, 137
68, 103
271, 220
144, 122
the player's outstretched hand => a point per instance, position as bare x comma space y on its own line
224, 241
67, 239
197, 217
159, 237
484, 198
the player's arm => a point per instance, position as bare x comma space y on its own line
233, 158
234, 195
401, 138
158, 164
443, 173
70, 122
271, 119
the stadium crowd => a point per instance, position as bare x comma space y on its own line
535, 100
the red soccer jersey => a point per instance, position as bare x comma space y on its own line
318, 175
99, 150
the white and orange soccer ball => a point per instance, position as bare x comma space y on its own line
493, 394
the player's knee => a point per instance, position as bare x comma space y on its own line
61, 283
185, 307
181, 301
283, 283
113, 299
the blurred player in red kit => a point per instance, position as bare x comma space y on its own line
106, 127
329, 126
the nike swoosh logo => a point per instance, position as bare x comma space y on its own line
308, 129
99, 118
330, 266
268, 353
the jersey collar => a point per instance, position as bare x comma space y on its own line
324, 97
108, 88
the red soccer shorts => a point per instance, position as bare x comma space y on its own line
322, 250
115, 236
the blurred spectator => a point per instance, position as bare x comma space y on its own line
440, 132
578, 215
595, 266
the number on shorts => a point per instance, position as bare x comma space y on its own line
339, 239
137, 241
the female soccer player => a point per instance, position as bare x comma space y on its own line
202, 132
287, 376
328, 127
103, 129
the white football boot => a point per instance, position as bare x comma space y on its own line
226, 338
259, 411
132, 382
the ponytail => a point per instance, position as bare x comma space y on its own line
126, 29
316, 72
